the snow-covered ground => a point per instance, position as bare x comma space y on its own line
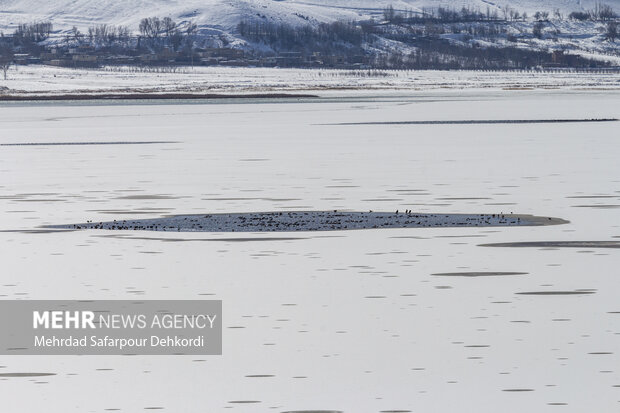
225, 14
413, 319
35, 80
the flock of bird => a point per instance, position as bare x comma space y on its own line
303, 221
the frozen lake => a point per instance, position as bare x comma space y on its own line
406, 319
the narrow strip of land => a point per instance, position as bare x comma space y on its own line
312, 221
85, 143
150, 96
476, 122
556, 244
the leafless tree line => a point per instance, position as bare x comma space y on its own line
165, 29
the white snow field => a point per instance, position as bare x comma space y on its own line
48, 80
391, 320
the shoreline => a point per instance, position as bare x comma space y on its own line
152, 96
299, 94
49, 83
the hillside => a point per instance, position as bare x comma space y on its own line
224, 15
415, 34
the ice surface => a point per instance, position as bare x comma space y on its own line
349, 321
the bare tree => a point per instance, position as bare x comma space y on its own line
514, 14
33, 32
538, 29
604, 12
611, 32
151, 27
175, 39
6, 59
389, 13
157, 26
102, 33
145, 27
190, 31
76, 34
123, 34
169, 26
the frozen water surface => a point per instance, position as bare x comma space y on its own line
351, 321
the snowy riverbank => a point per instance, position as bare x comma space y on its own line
35, 81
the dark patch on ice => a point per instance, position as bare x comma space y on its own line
230, 199
312, 221
153, 97
460, 236
86, 143
40, 200
38, 231
382, 200
477, 274
313, 411
556, 244
26, 374
395, 411
411, 237
592, 196
147, 197
248, 239
518, 390
461, 199
606, 206
575, 292
475, 122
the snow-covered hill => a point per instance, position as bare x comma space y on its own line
217, 22
223, 15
